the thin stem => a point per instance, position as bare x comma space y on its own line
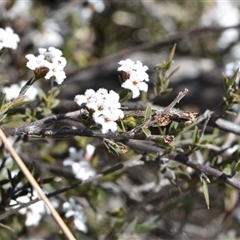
176, 100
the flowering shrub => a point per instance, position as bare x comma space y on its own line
105, 107
135, 76
8, 39
51, 61
108, 163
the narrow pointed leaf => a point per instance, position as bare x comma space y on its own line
205, 190
27, 85
2, 100
173, 72
147, 132
2, 117
233, 79
172, 53
131, 227
148, 112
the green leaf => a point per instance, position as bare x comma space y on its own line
10, 176
183, 175
48, 180
204, 180
166, 91
132, 226
169, 174
173, 72
20, 102
5, 107
227, 169
27, 85
233, 79
46, 111
230, 112
2, 117
162, 141
125, 95
41, 94
225, 101
195, 137
172, 53
122, 147
123, 128
3, 191
54, 92
111, 148
147, 132
237, 166
115, 147
142, 228
131, 122
20, 176
201, 146
225, 81
160, 79
2, 100
53, 103
160, 66
148, 112
208, 138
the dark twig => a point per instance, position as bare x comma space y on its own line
164, 117
227, 126
179, 97
143, 147
168, 41
124, 165
181, 158
37, 126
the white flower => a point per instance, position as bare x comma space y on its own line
75, 210
86, 11
19, 9
106, 107
8, 39
126, 65
136, 77
13, 90
81, 168
106, 123
48, 35
33, 212
51, 59
135, 85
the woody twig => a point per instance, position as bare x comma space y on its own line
164, 117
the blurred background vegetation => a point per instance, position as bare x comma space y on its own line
94, 36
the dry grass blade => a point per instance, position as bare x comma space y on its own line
35, 185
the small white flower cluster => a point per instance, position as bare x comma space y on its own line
8, 39
13, 90
75, 210
50, 59
106, 107
136, 76
33, 212
78, 161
